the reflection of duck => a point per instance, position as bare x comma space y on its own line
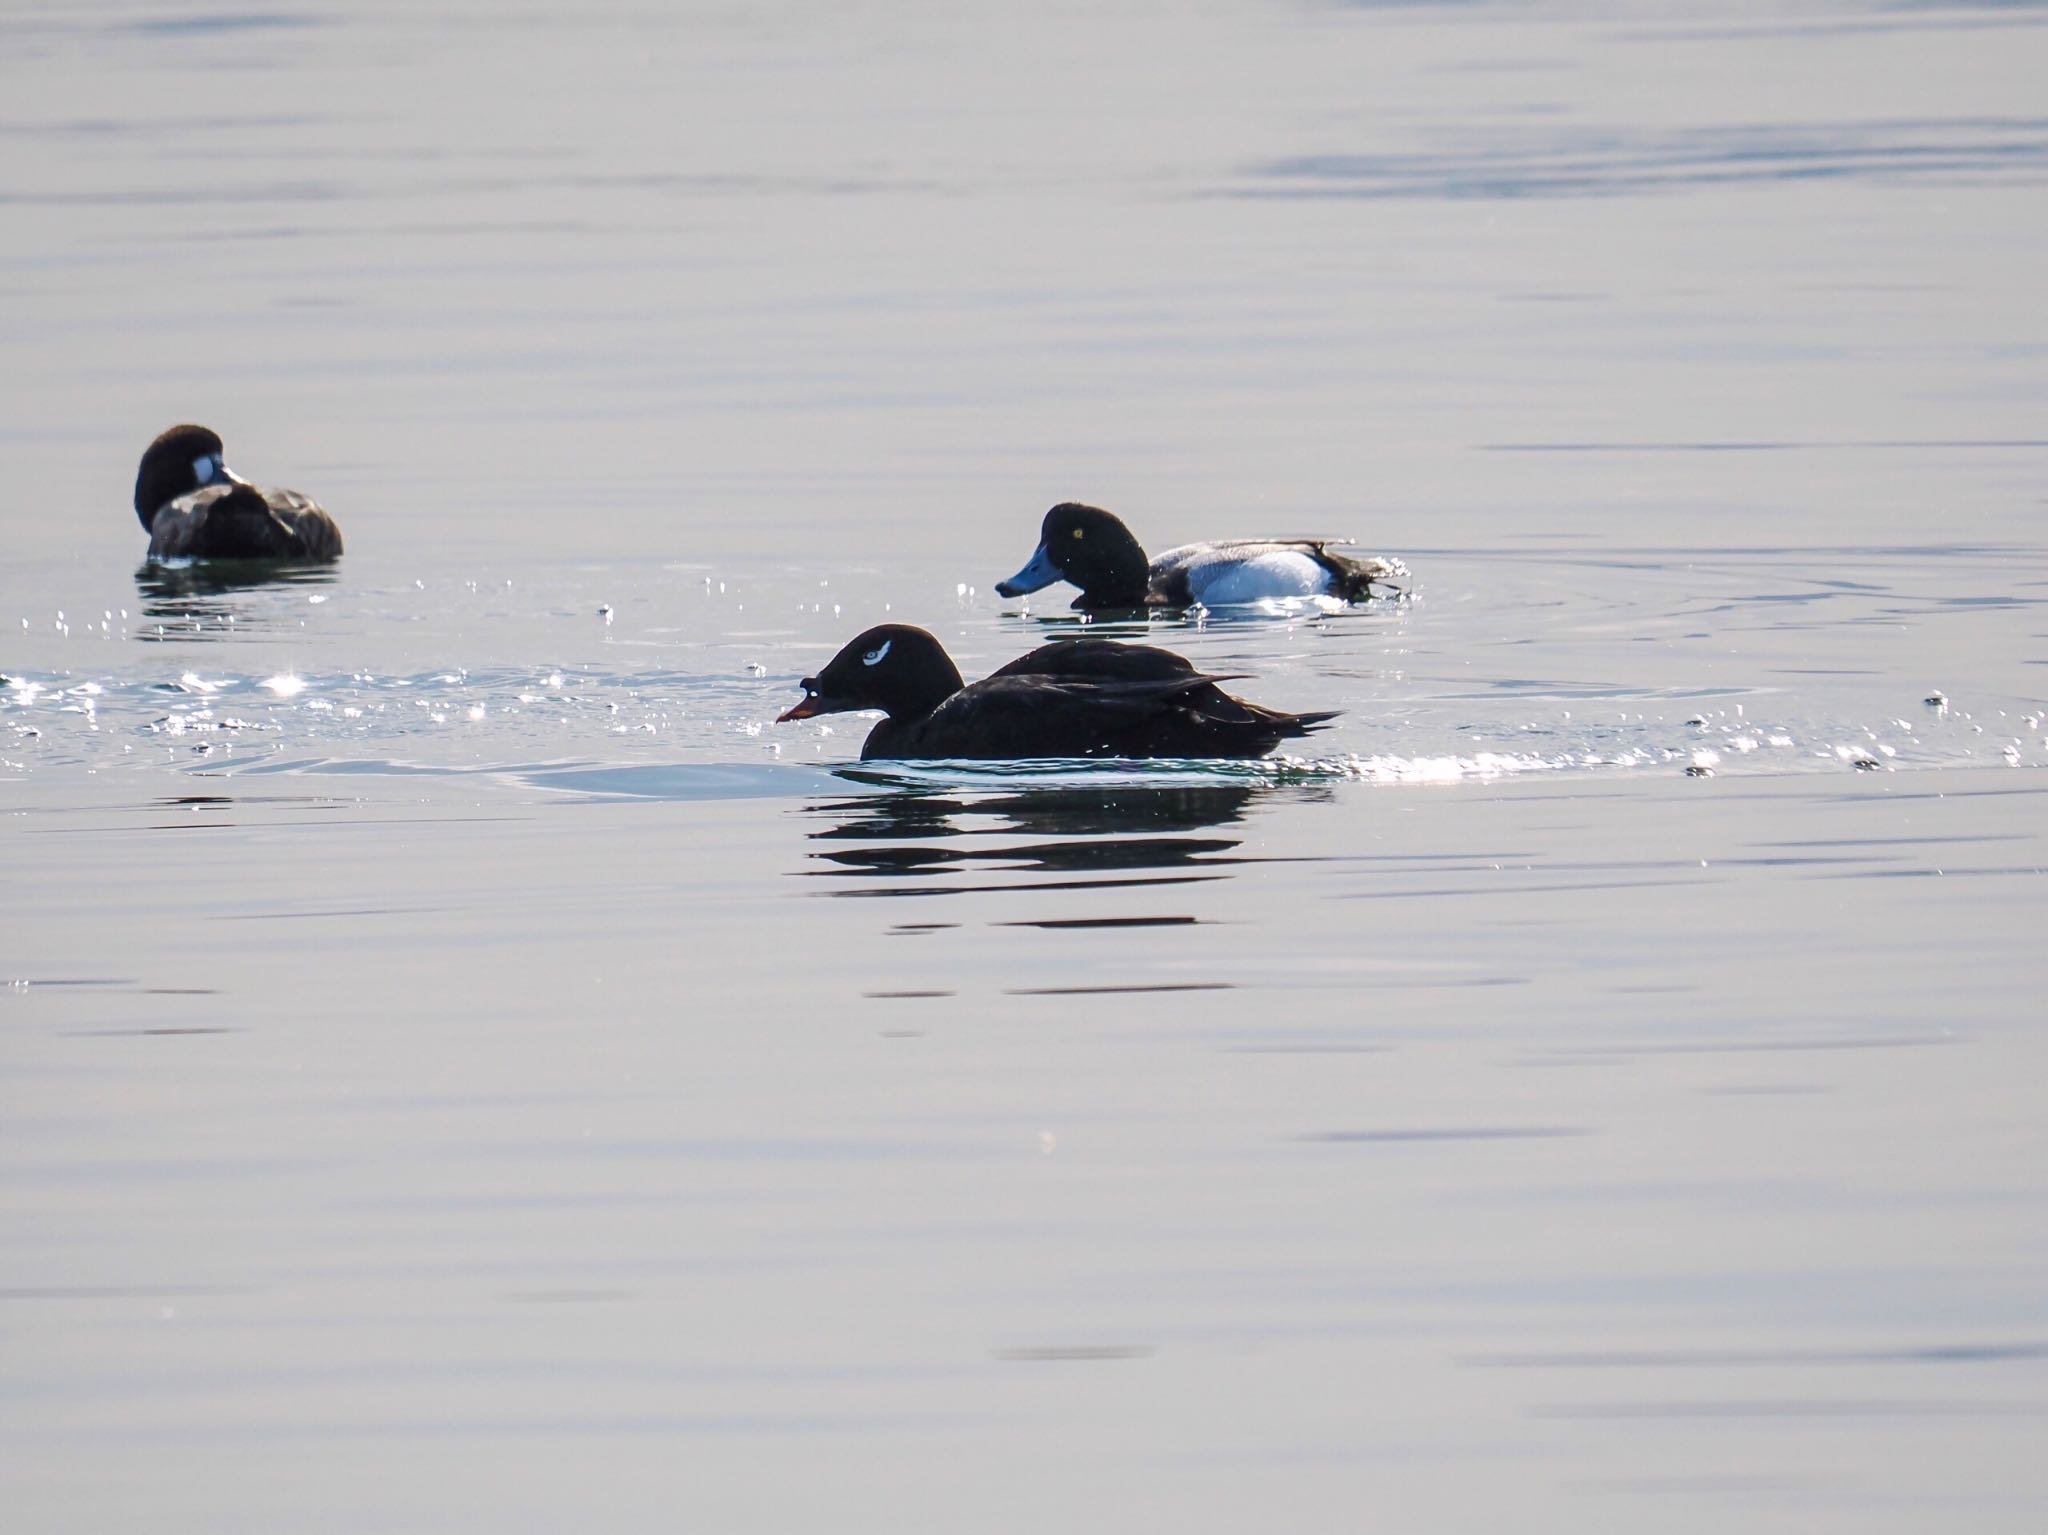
1093, 811
194, 507
1073, 698
1101, 835
189, 602
170, 588
1094, 550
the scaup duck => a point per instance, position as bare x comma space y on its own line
1094, 550
1072, 698
194, 507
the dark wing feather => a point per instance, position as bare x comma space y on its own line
1045, 715
1100, 661
289, 526
179, 529
314, 535
1356, 575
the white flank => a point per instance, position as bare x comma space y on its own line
1283, 573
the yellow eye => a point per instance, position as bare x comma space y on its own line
1080, 532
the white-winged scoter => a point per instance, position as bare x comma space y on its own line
1072, 698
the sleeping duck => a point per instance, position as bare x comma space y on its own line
195, 507
1095, 551
1072, 698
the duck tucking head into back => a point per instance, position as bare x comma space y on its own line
195, 507
180, 461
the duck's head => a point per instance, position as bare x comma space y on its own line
176, 464
1089, 547
902, 671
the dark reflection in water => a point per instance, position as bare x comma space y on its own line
191, 601
1084, 924
1431, 1133
1101, 834
1052, 811
1573, 161
1169, 627
1118, 991
1074, 1353
1994, 1351
1877, 1407
1136, 624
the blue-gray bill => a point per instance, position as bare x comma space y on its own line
1038, 573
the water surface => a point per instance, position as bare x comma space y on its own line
466, 1067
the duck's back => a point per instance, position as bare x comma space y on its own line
216, 523
315, 535
1232, 571
1091, 698
1099, 661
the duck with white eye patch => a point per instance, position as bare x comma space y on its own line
1096, 552
1072, 698
194, 507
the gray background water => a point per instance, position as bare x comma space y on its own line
464, 1067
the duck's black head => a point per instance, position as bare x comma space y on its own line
1092, 549
176, 464
902, 671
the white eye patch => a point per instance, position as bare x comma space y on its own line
202, 468
874, 657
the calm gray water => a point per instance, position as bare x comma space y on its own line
466, 1068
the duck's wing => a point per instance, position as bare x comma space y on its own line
312, 534
205, 525
1024, 715
1168, 583
175, 530
1354, 575
1236, 570
1042, 715
1100, 661
196, 527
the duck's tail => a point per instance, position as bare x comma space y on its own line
1358, 577
1259, 730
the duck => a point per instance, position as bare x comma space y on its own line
1094, 550
1071, 698
194, 507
